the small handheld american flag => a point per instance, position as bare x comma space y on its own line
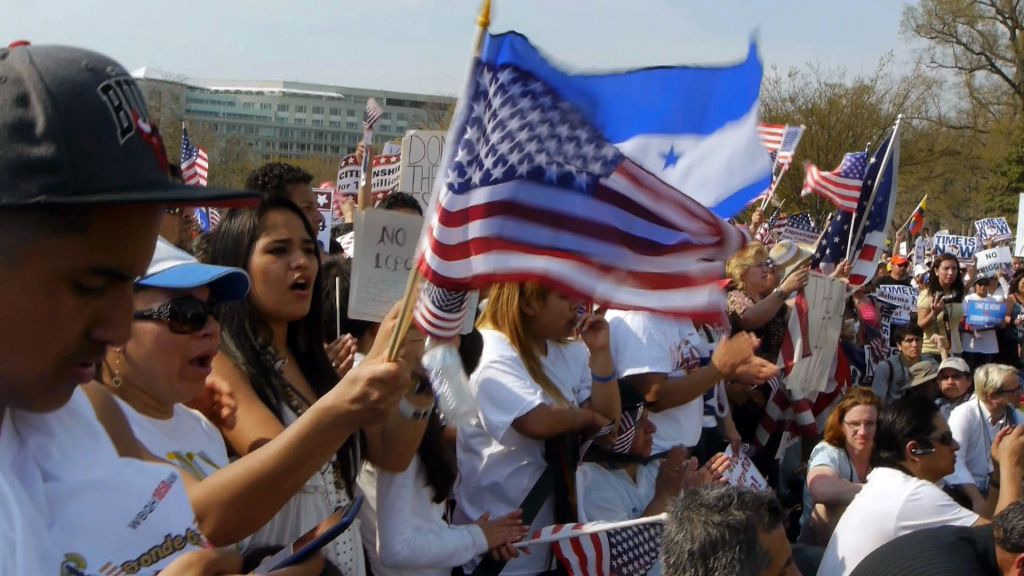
627, 548
841, 186
195, 165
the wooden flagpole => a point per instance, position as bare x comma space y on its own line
912, 213
483, 22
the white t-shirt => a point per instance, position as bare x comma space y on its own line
610, 495
407, 533
97, 512
985, 342
644, 343
973, 430
890, 505
498, 465
186, 439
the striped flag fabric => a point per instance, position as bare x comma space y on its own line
628, 551
796, 343
531, 189
870, 224
373, 113
841, 186
917, 217
195, 164
771, 136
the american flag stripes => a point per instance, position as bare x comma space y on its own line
870, 224
373, 113
535, 192
771, 136
195, 165
796, 343
440, 313
627, 551
841, 186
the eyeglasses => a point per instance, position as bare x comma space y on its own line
769, 264
1014, 390
946, 438
186, 315
867, 425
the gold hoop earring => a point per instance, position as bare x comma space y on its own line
117, 381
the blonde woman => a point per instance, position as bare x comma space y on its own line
538, 391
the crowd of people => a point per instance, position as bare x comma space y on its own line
191, 404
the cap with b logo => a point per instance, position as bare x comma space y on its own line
74, 130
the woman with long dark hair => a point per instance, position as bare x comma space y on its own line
940, 307
274, 361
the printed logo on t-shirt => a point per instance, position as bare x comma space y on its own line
159, 493
76, 565
171, 544
688, 356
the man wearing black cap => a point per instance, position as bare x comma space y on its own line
83, 178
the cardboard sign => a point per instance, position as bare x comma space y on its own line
826, 302
324, 205
743, 472
903, 299
994, 229
920, 247
347, 182
421, 160
385, 252
385, 175
980, 314
960, 246
989, 262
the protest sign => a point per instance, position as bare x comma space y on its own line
743, 472
421, 159
391, 149
1018, 249
385, 176
347, 182
385, 252
919, 251
826, 302
800, 234
980, 314
960, 246
989, 262
993, 229
324, 205
902, 298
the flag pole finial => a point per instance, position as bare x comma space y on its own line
484, 19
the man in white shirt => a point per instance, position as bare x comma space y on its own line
913, 450
661, 358
975, 425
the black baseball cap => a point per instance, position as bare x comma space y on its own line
74, 130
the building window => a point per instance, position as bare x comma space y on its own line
300, 109
350, 113
318, 109
300, 121
264, 105
350, 125
282, 107
334, 123
249, 105
335, 111
335, 149
335, 137
401, 116
317, 122
385, 116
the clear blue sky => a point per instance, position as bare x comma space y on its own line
423, 45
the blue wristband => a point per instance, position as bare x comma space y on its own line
603, 379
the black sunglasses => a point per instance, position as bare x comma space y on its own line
185, 315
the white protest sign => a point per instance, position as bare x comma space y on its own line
391, 149
421, 160
988, 262
800, 235
348, 176
385, 252
385, 176
826, 302
743, 472
324, 205
994, 229
960, 246
1019, 248
904, 298
903, 249
472, 303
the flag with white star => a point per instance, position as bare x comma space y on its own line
533, 188
870, 222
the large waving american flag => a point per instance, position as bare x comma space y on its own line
534, 191
841, 186
195, 164
869, 225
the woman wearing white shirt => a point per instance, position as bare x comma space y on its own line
533, 385
975, 424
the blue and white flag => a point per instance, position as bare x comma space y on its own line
694, 128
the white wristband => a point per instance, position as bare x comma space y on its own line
410, 412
